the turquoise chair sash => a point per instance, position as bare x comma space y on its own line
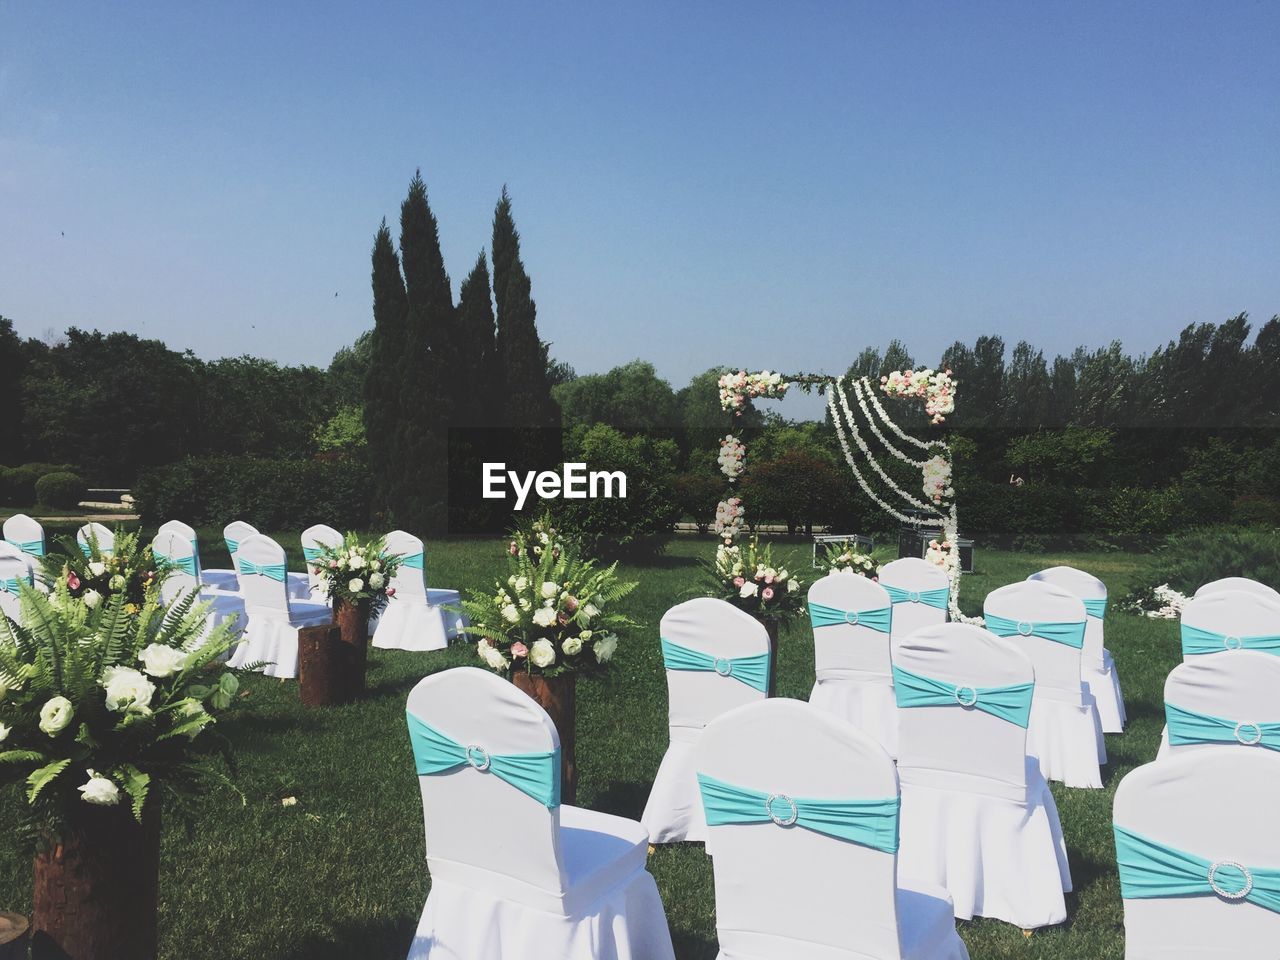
276, 571
753, 670
182, 563
535, 774
232, 545
87, 550
932, 598
1196, 641
13, 584
1096, 608
413, 560
33, 547
1187, 726
1070, 634
1149, 869
868, 823
311, 554
878, 619
1012, 703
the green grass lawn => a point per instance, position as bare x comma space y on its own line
342, 874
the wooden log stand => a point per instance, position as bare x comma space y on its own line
13, 936
323, 663
559, 697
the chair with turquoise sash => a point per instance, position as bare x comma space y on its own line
977, 815
514, 872
1234, 701
852, 621
1098, 669
803, 814
1227, 621
25, 534
175, 547
94, 534
716, 658
417, 618
1198, 851
920, 592
1245, 584
1048, 624
14, 572
315, 539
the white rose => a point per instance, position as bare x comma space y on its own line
549, 590
97, 569
127, 690
782, 574
748, 589
4, 732
510, 613
590, 612
791, 585
542, 653
585, 634
100, 790
605, 647
492, 656
572, 647
161, 661
544, 616
91, 598
520, 584
357, 562
377, 580
356, 585
55, 715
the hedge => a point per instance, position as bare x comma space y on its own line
270, 494
60, 489
18, 484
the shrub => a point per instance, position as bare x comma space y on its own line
797, 488
696, 494
1189, 560
271, 494
60, 489
1255, 510
18, 484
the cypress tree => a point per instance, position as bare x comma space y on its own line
476, 321
382, 417
506, 250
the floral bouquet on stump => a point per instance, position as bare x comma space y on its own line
105, 715
847, 558
547, 622
92, 575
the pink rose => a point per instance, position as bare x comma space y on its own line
571, 604
333, 564
768, 579
518, 649
513, 549
767, 593
738, 581
391, 591
73, 582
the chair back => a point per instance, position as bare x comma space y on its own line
1224, 701
1240, 583
915, 582
789, 890
969, 738
234, 534
1217, 806
14, 570
410, 580
1039, 611
95, 532
314, 538
1230, 620
177, 549
186, 532
1094, 594
25, 534
259, 561
473, 816
850, 643
718, 630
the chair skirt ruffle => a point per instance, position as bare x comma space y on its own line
1104, 683
673, 812
1066, 738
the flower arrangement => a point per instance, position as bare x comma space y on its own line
847, 558
1158, 603
357, 571
733, 455
937, 479
551, 614
934, 387
943, 554
746, 576
109, 703
737, 388
730, 519
93, 576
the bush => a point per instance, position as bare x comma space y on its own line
271, 494
1189, 560
18, 484
696, 493
797, 488
60, 489
1255, 510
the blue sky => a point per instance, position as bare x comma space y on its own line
773, 185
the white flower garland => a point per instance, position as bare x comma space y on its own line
853, 465
892, 425
866, 452
875, 430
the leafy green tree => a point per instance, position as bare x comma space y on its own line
631, 398
1062, 393
475, 315
348, 371
383, 389
13, 363
343, 433
896, 357
257, 407
1026, 391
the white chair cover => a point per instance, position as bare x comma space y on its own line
1218, 805
511, 877
209, 579
103, 535
1244, 688
319, 535
1065, 734
180, 582
13, 567
235, 533
1233, 613
271, 633
1097, 668
914, 575
415, 618
854, 670
21, 529
977, 816
1237, 583
695, 697
794, 893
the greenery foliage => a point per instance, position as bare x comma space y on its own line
18, 484
60, 489
747, 576
1189, 560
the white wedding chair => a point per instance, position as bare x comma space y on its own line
1216, 701
224, 580
14, 571
273, 618
852, 619
920, 592
1225, 621
977, 815
1048, 624
1239, 583
1098, 669
314, 539
25, 534
234, 534
717, 658
183, 580
415, 618
1198, 846
94, 532
514, 873
802, 810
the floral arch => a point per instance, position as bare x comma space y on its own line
936, 497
